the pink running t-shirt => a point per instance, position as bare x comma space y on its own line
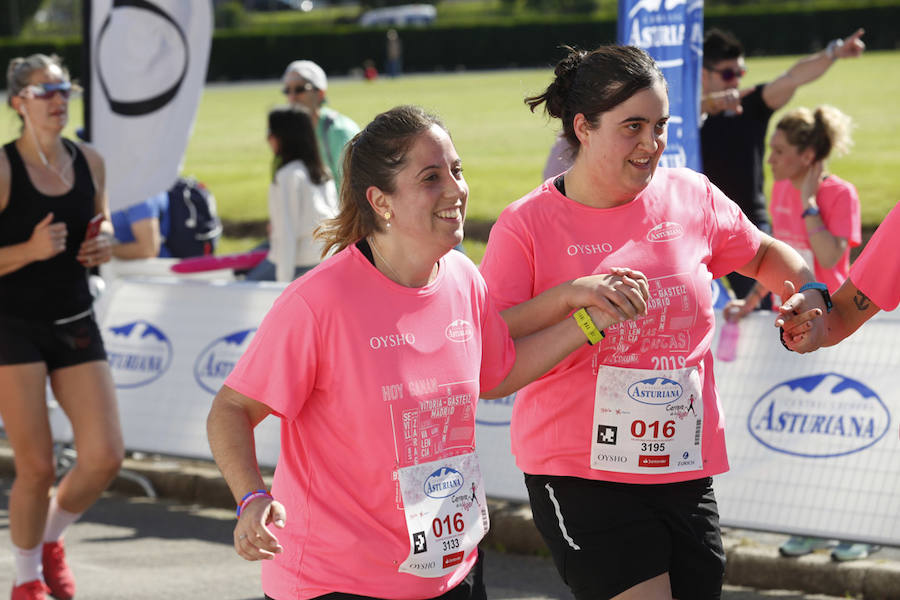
367, 376
876, 273
838, 204
681, 232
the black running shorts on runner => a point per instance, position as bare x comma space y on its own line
608, 537
470, 588
65, 345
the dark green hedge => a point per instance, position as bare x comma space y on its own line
262, 56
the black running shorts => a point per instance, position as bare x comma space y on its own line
57, 345
608, 537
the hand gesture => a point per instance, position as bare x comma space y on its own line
726, 100
811, 181
47, 238
252, 539
800, 320
96, 250
619, 295
853, 46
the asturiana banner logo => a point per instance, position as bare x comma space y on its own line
218, 359
443, 483
656, 390
139, 352
819, 416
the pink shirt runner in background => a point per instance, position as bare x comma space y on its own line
368, 376
876, 273
838, 204
681, 232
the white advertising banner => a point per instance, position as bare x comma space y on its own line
812, 441
147, 67
170, 344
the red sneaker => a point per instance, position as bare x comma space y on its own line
30, 590
59, 578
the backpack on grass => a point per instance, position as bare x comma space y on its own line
194, 226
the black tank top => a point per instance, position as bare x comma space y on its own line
55, 288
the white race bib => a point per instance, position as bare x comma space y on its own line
647, 421
446, 513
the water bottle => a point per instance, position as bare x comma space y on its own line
728, 341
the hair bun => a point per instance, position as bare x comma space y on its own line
565, 73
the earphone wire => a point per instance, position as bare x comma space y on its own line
43, 157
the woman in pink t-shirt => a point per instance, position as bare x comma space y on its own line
619, 442
374, 362
815, 212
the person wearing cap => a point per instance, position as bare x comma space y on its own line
305, 84
735, 119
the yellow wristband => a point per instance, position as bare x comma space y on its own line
584, 321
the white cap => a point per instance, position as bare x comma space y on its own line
309, 71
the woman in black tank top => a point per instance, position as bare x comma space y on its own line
50, 188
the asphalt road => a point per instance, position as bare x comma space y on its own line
141, 549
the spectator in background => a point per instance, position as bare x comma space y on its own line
301, 196
140, 229
305, 84
817, 214
734, 121
394, 53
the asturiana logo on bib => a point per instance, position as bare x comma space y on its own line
819, 416
665, 232
139, 352
217, 360
459, 331
443, 483
656, 390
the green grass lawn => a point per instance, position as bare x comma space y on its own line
503, 145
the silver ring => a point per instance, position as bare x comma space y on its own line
243, 536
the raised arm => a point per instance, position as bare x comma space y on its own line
779, 92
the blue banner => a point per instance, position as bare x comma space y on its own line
671, 31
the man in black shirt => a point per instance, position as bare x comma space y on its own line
734, 120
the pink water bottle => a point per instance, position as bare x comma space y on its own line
728, 341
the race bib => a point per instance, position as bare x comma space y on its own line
446, 513
647, 421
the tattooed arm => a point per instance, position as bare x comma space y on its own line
851, 309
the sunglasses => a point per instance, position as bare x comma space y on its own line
298, 89
727, 74
45, 91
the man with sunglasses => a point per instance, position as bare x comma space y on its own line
735, 119
305, 84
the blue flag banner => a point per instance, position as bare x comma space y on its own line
671, 31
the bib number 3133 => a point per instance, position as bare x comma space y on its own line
446, 513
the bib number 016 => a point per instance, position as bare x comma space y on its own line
445, 525
639, 429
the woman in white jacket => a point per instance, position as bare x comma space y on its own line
301, 196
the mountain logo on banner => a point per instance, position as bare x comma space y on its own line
819, 416
496, 412
138, 353
217, 360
